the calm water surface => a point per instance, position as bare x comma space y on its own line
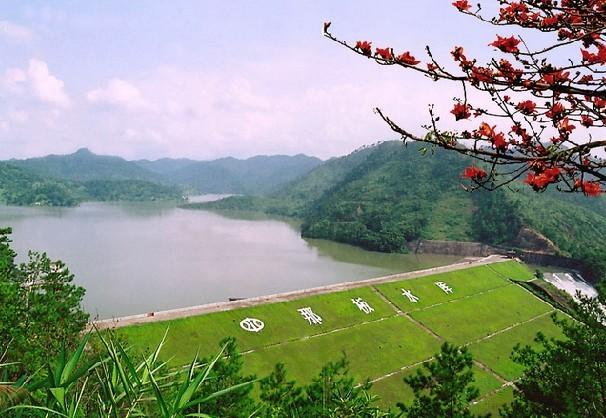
135, 258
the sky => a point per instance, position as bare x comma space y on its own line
208, 79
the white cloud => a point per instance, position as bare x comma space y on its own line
119, 93
45, 86
15, 32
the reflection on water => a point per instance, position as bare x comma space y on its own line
135, 257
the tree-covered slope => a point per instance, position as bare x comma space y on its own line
22, 188
129, 190
394, 196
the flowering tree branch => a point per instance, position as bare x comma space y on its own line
546, 114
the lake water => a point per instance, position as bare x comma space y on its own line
136, 258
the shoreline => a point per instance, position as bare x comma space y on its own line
167, 315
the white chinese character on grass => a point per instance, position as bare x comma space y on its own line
410, 296
252, 324
444, 287
363, 305
310, 316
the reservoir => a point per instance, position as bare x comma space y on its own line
142, 257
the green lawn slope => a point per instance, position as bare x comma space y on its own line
486, 311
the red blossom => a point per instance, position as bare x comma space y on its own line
556, 111
486, 130
509, 44
522, 133
406, 58
508, 71
458, 53
565, 127
499, 141
550, 21
462, 5
589, 188
474, 173
586, 79
384, 53
586, 121
555, 77
481, 74
514, 11
461, 111
541, 180
595, 58
599, 102
365, 47
527, 107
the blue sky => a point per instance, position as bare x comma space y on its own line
207, 79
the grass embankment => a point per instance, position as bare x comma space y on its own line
486, 311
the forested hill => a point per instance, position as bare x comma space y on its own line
383, 196
21, 187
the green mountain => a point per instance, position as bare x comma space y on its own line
384, 196
257, 175
83, 165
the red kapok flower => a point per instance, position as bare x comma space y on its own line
555, 77
406, 58
474, 173
543, 179
486, 130
461, 111
589, 188
599, 102
365, 47
384, 53
509, 44
556, 111
462, 5
586, 121
527, 107
550, 21
565, 126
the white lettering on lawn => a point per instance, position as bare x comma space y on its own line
444, 287
363, 305
252, 324
410, 296
310, 316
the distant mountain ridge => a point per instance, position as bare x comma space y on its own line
256, 175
